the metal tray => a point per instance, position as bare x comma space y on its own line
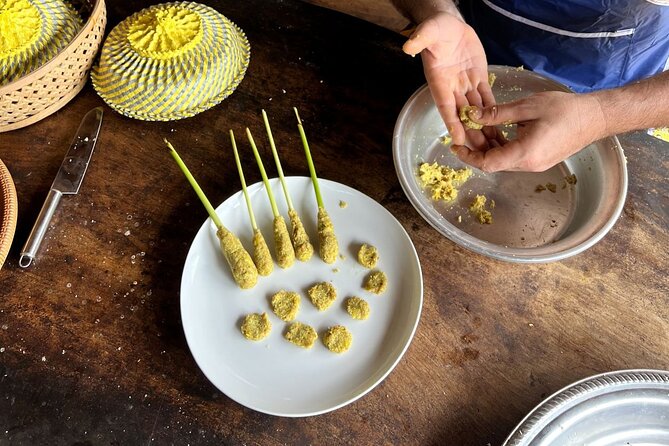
628, 407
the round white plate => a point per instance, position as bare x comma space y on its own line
274, 376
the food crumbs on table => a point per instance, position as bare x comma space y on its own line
459, 218
335, 270
446, 140
256, 326
477, 208
337, 339
368, 256
465, 118
300, 334
492, 77
492, 204
322, 295
551, 187
286, 304
343, 204
520, 68
358, 308
376, 282
443, 181
539, 188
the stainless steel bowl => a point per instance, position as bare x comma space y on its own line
528, 226
628, 407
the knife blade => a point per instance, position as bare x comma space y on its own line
67, 182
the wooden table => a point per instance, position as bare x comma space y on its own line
91, 345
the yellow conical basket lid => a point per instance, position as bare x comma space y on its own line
171, 61
32, 32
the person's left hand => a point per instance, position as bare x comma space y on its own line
456, 71
551, 127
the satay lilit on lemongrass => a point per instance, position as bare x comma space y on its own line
303, 248
261, 255
285, 254
328, 247
244, 272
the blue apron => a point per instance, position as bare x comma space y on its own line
584, 44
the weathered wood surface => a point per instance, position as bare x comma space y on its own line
91, 345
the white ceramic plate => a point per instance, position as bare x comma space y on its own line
274, 376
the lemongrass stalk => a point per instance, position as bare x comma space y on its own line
244, 271
254, 226
328, 247
263, 174
285, 253
277, 161
303, 247
261, 255
310, 162
196, 187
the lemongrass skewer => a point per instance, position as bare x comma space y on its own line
303, 247
328, 248
261, 255
285, 254
243, 270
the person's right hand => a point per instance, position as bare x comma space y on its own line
456, 70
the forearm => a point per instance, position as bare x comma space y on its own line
419, 10
636, 106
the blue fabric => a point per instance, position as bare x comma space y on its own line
583, 64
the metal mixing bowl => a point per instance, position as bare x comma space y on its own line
528, 226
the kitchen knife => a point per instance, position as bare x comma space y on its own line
67, 181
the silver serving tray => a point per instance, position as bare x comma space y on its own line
628, 407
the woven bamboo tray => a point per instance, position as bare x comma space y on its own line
47, 89
8, 212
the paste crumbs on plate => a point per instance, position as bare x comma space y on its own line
256, 326
477, 208
337, 339
300, 334
443, 181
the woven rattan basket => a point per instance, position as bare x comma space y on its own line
47, 89
8, 212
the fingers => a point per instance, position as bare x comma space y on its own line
507, 157
425, 35
448, 109
508, 113
485, 91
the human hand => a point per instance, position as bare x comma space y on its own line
456, 71
552, 126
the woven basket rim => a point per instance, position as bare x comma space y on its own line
9, 209
56, 60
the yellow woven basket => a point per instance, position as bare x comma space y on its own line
8, 212
171, 61
44, 91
